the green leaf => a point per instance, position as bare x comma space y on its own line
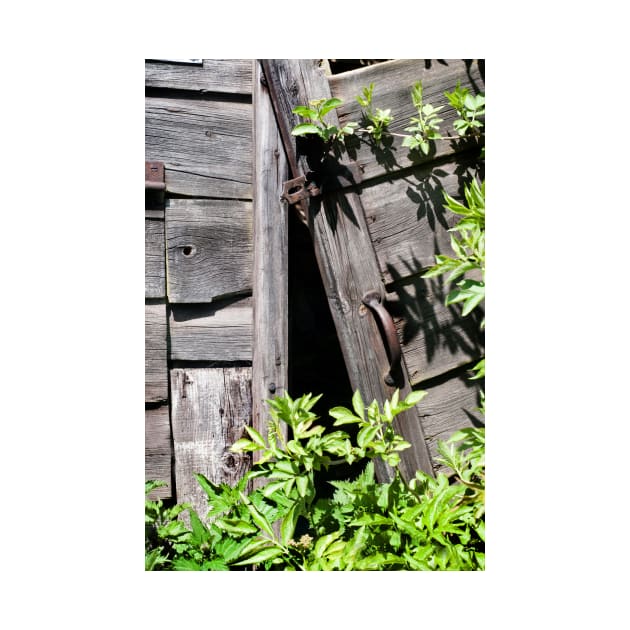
235, 526
343, 416
185, 564
304, 128
262, 556
287, 528
366, 435
414, 397
357, 404
255, 436
329, 105
306, 112
258, 518
302, 485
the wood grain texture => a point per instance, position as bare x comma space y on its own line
154, 259
209, 249
210, 409
206, 145
393, 82
347, 263
449, 406
271, 260
406, 216
158, 450
155, 369
212, 332
435, 338
231, 76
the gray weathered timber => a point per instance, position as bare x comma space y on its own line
449, 406
407, 220
209, 249
435, 338
158, 450
393, 82
271, 236
347, 264
221, 331
155, 369
205, 145
230, 76
210, 409
154, 259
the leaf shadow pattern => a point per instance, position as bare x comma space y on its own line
419, 309
331, 176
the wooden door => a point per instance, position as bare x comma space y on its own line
376, 227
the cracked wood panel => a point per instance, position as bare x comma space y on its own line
158, 450
210, 409
154, 259
209, 249
393, 81
205, 144
221, 331
155, 369
231, 76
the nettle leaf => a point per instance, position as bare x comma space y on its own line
305, 128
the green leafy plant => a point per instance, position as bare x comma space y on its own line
469, 249
426, 524
377, 118
314, 114
470, 108
426, 125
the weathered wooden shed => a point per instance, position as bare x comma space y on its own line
248, 295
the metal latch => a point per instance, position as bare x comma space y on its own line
295, 190
347, 174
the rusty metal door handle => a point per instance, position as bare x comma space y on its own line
372, 299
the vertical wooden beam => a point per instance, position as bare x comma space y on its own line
210, 408
347, 262
270, 281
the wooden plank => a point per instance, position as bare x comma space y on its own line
210, 409
158, 450
156, 372
406, 217
449, 406
393, 82
212, 332
271, 263
231, 76
209, 249
205, 144
435, 338
347, 262
154, 259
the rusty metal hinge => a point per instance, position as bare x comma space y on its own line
295, 190
298, 189
154, 176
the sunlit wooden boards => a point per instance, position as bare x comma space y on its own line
210, 409
205, 143
198, 264
227, 76
209, 249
